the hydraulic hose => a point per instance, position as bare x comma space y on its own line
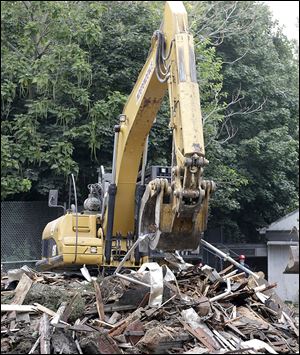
76, 211
162, 70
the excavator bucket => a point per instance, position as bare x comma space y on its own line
293, 262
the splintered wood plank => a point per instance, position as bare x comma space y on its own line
17, 308
59, 313
291, 323
68, 310
99, 301
45, 309
35, 345
226, 270
45, 334
135, 331
236, 330
22, 289
107, 345
9, 330
78, 328
101, 322
78, 346
119, 328
198, 335
20, 294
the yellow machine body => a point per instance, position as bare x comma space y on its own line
181, 220
63, 248
63, 231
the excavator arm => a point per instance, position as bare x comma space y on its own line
175, 212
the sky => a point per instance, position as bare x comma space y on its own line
286, 12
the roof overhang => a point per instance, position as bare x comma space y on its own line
282, 242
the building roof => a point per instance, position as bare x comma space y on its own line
286, 223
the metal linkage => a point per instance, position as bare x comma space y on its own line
112, 190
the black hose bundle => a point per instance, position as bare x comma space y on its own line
162, 69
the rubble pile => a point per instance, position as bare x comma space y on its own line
174, 309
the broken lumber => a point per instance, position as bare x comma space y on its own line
45, 335
17, 308
99, 301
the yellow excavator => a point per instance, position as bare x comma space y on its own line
170, 204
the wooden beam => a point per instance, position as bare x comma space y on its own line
17, 308
59, 313
99, 301
199, 337
45, 309
22, 289
68, 310
20, 294
45, 334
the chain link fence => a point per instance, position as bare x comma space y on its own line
22, 224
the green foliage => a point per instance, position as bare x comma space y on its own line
11, 183
102, 120
272, 190
259, 64
46, 76
67, 70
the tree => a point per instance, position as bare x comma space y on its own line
68, 68
259, 65
46, 92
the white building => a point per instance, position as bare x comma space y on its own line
281, 235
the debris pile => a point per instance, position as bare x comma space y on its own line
174, 309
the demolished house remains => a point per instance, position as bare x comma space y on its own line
175, 308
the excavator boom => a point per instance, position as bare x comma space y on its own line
179, 222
